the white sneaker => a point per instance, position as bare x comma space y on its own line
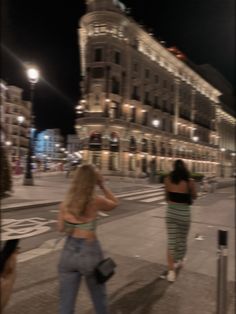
171, 276
102, 214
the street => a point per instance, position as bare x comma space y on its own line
134, 235
36, 225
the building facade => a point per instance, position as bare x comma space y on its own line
227, 145
15, 120
142, 105
49, 145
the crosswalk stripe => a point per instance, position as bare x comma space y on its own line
138, 192
149, 200
142, 196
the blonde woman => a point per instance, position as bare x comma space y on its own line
82, 251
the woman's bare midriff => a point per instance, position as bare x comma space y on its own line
84, 234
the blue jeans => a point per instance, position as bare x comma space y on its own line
79, 258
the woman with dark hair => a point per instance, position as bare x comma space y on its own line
180, 189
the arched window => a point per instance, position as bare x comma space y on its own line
144, 145
114, 142
132, 144
95, 141
153, 148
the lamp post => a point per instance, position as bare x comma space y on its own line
33, 77
20, 120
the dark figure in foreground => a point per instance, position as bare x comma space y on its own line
180, 191
8, 262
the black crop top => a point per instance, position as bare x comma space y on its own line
179, 197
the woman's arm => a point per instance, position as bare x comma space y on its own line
108, 201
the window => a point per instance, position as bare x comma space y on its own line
145, 118
117, 57
115, 86
136, 67
135, 92
132, 144
156, 78
164, 105
147, 73
97, 72
98, 55
95, 141
146, 99
163, 124
144, 145
114, 142
133, 115
156, 102
153, 148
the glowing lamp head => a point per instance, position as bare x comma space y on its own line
20, 119
33, 75
155, 123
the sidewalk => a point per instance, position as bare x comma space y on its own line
138, 245
50, 189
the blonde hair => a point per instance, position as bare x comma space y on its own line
82, 189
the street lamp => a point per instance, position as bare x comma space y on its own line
33, 77
8, 143
20, 120
195, 138
155, 123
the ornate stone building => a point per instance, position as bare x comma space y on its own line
15, 119
142, 105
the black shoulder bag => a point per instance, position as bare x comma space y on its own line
105, 270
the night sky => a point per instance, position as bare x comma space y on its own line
45, 32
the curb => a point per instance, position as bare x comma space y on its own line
25, 206
9, 208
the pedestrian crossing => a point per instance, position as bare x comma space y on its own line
145, 196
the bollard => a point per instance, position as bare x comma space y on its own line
222, 272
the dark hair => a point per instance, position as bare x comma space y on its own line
180, 172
